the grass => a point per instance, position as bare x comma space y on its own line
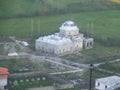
72, 89
95, 55
1, 49
24, 8
117, 1
14, 65
25, 85
114, 67
25, 65
95, 75
106, 24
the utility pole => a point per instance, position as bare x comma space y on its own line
91, 69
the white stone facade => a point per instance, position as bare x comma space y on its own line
67, 41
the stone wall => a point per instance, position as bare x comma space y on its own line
65, 86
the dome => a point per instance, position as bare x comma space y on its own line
69, 25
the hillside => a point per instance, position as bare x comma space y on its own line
117, 1
28, 8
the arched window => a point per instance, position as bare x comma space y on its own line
87, 44
91, 43
105, 86
98, 84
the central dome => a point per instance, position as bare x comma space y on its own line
69, 23
69, 28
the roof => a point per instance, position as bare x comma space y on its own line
25, 43
13, 54
55, 39
111, 80
69, 25
3, 71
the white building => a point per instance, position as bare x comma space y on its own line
107, 83
66, 41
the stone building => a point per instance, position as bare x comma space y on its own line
68, 40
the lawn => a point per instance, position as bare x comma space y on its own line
72, 89
28, 8
15, 65
114, 67
105, 24
1, 49
97, 54
29, 82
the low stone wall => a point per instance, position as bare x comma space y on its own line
3, 57
43, 88
65, 86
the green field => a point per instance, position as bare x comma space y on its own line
14, 65
30, 84
27, 8
114, 67
97, 54
1, 50
106, 24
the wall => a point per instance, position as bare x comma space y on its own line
66, 86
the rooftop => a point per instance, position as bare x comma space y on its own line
3, 71
55, 39
112, 80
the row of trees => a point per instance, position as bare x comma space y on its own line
29, 8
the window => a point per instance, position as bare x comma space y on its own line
91, 43
105, 86
87, 44
98, 84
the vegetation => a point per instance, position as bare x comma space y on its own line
29, 82
106, 24
117, 1
1, 49
72, 89
114, 67
24, 65
28, 8
15, 65
95, 55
